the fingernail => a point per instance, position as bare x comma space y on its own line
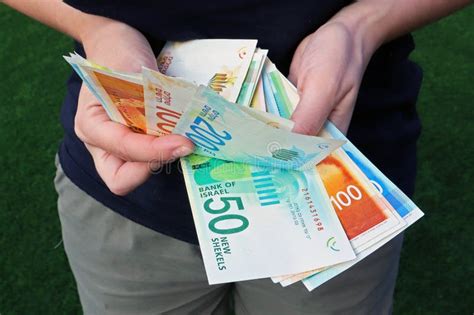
182, 151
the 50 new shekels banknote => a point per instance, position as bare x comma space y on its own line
266, 202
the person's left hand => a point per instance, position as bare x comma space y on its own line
327, 69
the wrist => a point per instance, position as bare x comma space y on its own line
92, 25
364, 22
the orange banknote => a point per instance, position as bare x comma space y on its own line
365, 215
128, 98
122, 95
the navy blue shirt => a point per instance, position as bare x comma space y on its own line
384, 126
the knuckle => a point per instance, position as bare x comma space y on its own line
117, 188
78, 129
123, 150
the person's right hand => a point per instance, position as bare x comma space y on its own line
123, 159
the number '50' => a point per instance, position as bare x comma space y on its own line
215, 207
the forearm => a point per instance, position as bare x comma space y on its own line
60, 16
374, 22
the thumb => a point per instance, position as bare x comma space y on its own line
121, 177
312, 110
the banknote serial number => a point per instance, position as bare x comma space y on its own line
225, 223
313, 210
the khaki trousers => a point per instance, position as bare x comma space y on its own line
121, 267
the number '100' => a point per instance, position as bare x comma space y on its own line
206, 136
241, 222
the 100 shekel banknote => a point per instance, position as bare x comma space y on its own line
166, 99
366, 220
365, 215
257, 222
390, 194
402, 204
121, 94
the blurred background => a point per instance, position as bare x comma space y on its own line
437, 265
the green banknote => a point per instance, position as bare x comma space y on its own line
255, 222
251, 79
223, 130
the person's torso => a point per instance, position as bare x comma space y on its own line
161, 203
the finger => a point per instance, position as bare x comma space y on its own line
315, 105
292, 77
296, 61
342, 113
94, 127
121, 177
131, 146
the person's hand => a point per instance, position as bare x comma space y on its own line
328, 65
327, 69
123, 158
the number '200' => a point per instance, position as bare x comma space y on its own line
206, 136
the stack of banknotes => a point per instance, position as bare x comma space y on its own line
266, 202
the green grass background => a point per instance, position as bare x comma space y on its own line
436, 274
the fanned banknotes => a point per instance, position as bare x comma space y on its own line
258, 99
402, 208
219, 128
365, 215
266, 208
402, 204
261, 205
251, 79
